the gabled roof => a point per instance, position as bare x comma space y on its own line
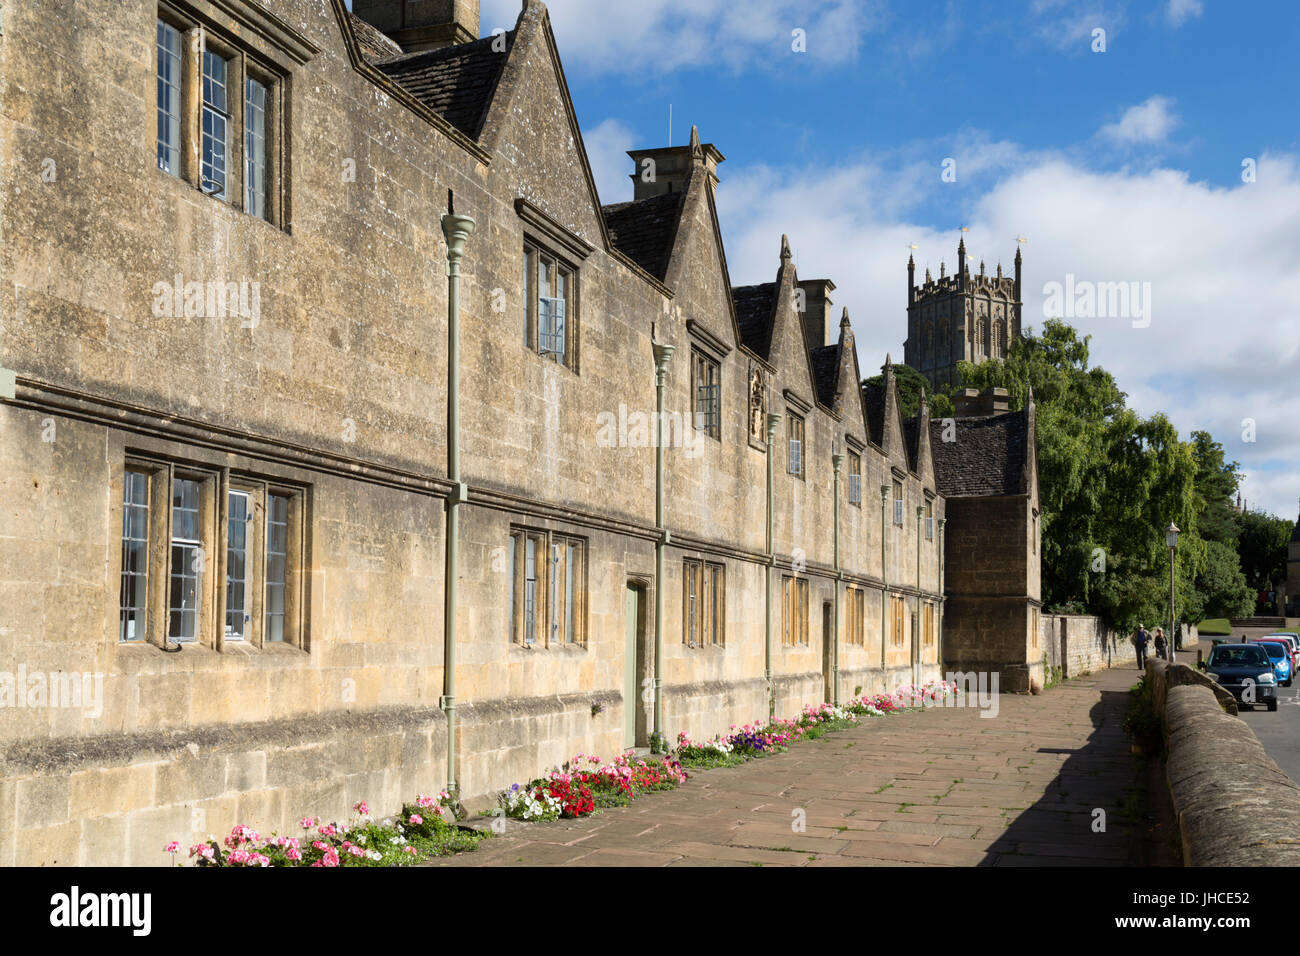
374, 43
755, 312
911, 444
873, 405
987, 457
825, 361
644, 230
456, 82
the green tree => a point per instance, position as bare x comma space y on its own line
1109, 482
1262, 544
1216, 483
910, 383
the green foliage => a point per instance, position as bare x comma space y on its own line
1262, 543
1109, 482
910, 383
1142, 723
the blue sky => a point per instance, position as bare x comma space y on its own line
1124, 165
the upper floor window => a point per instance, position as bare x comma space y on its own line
929, 520
795, 432
228, 141
705, 386
169, 98
898, 503
855, 479
549, 298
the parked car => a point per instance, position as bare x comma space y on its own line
1279, 652
1246, 671
1295, 646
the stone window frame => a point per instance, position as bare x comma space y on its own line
899, 493
796, 444
551, 573
794, 610
929, 517
855, 479
712, 418
534, 252
256, 46
710, 580
215, 486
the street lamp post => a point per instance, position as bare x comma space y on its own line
1171, 539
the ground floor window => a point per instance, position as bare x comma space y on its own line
207, 556
899, 625
703, 603
855, 605
548, 588
794, 610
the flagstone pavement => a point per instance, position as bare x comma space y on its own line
943, 786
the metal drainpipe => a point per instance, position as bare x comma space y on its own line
938, 651
884, 577
457, 229
772, 422
662, 353
920, 624
837, 460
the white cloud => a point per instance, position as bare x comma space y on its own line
1180, 11
607, 145
1148, 122
654, 37
1223, 344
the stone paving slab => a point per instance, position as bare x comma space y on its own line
939, 787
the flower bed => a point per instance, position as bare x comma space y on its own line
585, 783
417, 833
759, 740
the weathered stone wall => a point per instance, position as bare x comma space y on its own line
1080, 644
340, 389
1235, 806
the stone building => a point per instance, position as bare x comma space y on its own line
246, 434
959, 317
1293, 573
986, 469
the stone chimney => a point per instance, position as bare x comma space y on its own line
422, 24
817, 308
666, 169
970, 403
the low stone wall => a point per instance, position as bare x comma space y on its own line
1235, 806
1079, 644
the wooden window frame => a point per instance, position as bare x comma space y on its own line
794, 611
706, 617
898, 620
855, 617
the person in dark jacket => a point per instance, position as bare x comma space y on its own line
1161, 645
1140, 638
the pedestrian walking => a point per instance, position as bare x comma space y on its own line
1140, 639
1162, 652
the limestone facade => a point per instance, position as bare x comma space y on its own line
225, 410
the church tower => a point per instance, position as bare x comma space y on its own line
959, 317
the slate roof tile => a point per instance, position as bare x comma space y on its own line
644, 230
456, 82
987, 458
755, 311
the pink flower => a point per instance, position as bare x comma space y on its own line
294, 854
172, 847
416, 819
307, 822
361, 808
